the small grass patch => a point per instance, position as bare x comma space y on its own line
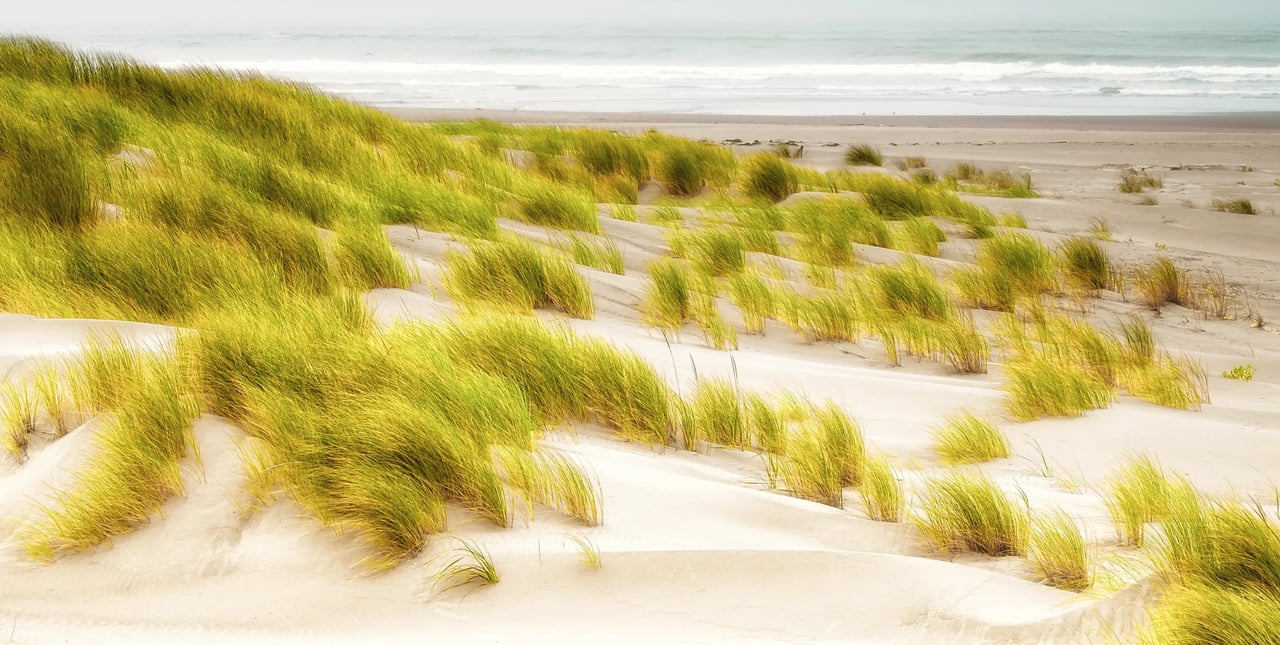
1135, 180
514, 273
881, 491
1085, 264
597, 254
967, 439
1010, 268
1138, 495
1059, 552
1237, 206
1239, 373
862, 154
767, 177
967, 512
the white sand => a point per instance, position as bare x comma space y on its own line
694, 547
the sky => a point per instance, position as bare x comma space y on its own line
53, 17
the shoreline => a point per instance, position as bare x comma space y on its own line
1201, 122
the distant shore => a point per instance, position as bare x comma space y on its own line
1206, 122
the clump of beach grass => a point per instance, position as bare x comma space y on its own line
862, 154
1135, 180
1009, 268
1085, 264
514, 273
755, 300
1138, 495
1059, 552
469, 564
824, 456
1237, 206
967, 439
911, 163
598, 254
718, 411
919, 235
767, 177
1160, 281
135, 471
881, 490
18, 413
1239, 373
967, 512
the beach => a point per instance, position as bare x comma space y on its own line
694, 545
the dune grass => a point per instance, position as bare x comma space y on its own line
823, 456
862, 154
967, 512
668, 301
1239, 373
919, 235
1237, 206
755, 300
468, 564
881, 491
598, 254
1009, 268
135, 471
1159, 282
767, 177
1085, 264
18, 413
514, 273
827, 229
967, 439
1058, 550
1135, 180
1138, 495
970, 178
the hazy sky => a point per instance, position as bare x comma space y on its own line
142, 16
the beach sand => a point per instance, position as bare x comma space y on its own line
694, 547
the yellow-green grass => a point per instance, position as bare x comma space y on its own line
54, 397
718, 413
716, 251
1191, 615
552, 479
1138, 495
468, 564
967, 439
767, 177
970, 178
823, 456
1221, 562
919, 235
668, 301
513, 272
911, 163
967, 512
1160, 281
1239, 373
598, 254
1060, 553
892, 198
1010, 268
1084, 263
755, 300
1237, 206
1040, 386
1135, 180
134, 472
862, 154
18, 414
823, 316
827, 229
881, 490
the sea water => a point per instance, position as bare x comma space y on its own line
797, 69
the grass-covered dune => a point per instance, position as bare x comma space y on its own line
250, 217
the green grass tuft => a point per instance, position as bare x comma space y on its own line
966, 439
862, 154
967, 512
881, 491
1059, 552
515, 273
1239, 373
1237, 206
767, 177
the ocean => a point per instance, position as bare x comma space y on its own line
792, 70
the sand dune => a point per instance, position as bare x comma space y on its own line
695, 547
